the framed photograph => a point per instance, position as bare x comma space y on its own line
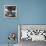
10, 11
32, 32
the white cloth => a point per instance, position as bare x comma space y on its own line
37, 37
24, 33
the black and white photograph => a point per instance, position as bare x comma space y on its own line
32, 34
10, 10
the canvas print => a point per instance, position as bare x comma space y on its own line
30, 35
33, 32
10, 11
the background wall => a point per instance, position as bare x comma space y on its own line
7, 25
28, 12
33, 12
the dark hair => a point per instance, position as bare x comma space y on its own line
10, 8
